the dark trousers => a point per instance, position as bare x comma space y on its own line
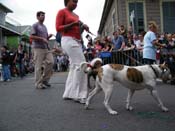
148, 61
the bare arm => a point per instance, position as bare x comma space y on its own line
156, 43
68, 26
122, 46
37, 38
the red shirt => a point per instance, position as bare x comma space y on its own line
65, 17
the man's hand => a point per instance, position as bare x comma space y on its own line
163, 45
57, 50
45, 40
50, 35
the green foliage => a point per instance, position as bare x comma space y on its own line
12, 42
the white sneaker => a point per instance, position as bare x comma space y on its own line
82, 101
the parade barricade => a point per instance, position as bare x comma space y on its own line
106, 57
131, 57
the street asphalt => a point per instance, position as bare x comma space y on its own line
24, 108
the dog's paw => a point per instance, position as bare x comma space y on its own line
130, 108
86, 107
164, 109
113, 112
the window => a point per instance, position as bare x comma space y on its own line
113, 20
138, 19
168, 16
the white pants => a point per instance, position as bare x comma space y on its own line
76, 83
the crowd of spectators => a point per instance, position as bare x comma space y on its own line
15, 63
123, 40
129, 46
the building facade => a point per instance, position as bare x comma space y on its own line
137, 13
12, 32
6, 29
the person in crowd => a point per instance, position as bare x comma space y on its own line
26, 63
123, 32
70, 26
43, 57
63, 62
107, 44
162, 38
170, 42
118, 41
89, 52
98, 46
135, 38
130, 29
131, 52
19, 60
6, 75
12, 64
173, 37
129, 42
59, 63
107, 47
160, 52
150, 43
139, 45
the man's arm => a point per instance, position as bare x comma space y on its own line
156, 43
37, 38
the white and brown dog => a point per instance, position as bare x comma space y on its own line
134, 78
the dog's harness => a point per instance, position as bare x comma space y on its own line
154, 70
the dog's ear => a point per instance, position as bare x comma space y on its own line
96, 60
97, 64
162, 66
164, 63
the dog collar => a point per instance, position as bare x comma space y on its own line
154, 70
89, 65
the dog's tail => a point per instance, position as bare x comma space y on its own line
84, 66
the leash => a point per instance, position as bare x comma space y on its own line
138, 62
91, 33
154, 70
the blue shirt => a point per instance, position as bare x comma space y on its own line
118, 42
149, 50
